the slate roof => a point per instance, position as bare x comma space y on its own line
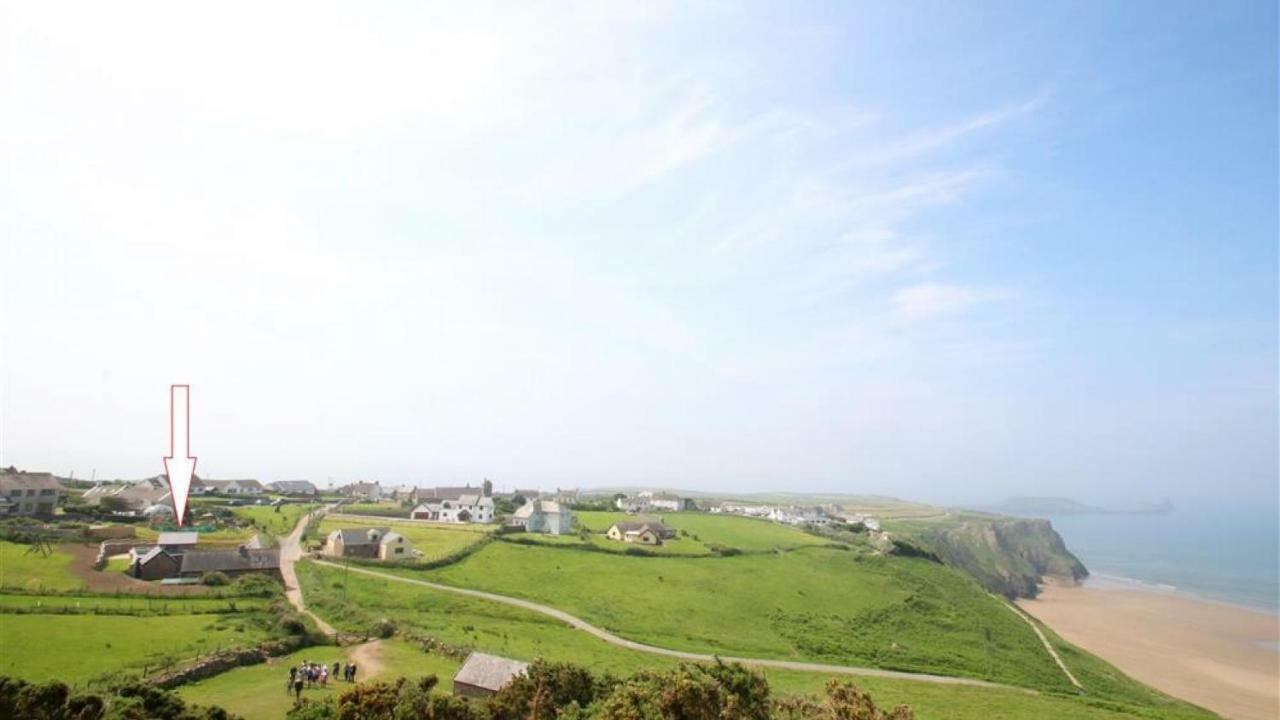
152, 554
534, 506
360, 536
489, 671
657, 527
13, 480
446, 493
230, 560
305, 487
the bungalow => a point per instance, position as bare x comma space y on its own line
233, 487
240, 561
466, 509
380, 543
483, 675
543, 516
296, 488
28, 493
648, 532
134, 496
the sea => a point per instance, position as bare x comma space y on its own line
1225, 554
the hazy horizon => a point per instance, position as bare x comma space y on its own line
936, 252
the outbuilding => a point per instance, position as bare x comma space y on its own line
483, 675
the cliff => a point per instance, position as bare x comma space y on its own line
1009, 556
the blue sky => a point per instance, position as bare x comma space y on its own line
941, 251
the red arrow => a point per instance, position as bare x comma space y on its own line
180, 466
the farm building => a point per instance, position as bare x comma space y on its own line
380, 543
647, 532
153, 563
240, 561
483, 675
543, 516
465, 509
28, 493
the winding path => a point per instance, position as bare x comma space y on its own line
612, 639
290, 552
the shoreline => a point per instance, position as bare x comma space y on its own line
1108, 582
1211, 653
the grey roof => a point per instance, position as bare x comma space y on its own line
151, 554
178, 538
489, 671
360, 536
447, 493
10, 479
225, 560
637, 526
294, 486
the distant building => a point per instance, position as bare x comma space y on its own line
567, 496
543, 516
483, 675
441, 493
28, 493
649, 501
295, 488
465, 509
135, 495
645, 532
363, 490
370, 542
233, 487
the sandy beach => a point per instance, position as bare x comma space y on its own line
1219, 656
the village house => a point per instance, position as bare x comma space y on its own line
294, 488
645, 532
28, 493
465, 509
649, 501
371, 542
543, 516
363, 490
799, 516
438, 494
483, 675
400, 493
133, 496
567, 496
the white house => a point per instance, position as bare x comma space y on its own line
466, 509
233, 487
543, 516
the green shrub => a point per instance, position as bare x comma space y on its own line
384, 628
214, 578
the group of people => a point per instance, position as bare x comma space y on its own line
310, 674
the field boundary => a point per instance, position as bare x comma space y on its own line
580, 624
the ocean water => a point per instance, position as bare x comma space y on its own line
1224, 554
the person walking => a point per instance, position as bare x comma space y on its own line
297, 691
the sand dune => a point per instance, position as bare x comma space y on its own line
1218, 656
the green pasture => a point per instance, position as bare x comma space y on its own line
33, 571
127, 604
278, 520
705, 528
78, 648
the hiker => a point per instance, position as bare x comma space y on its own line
297, 690
324, 675
335, 670
353, 672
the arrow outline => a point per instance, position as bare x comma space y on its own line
179, 513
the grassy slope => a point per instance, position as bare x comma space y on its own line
814, 604
257, 692
512, 632
267, 517
35, 572
76, 648
431, 539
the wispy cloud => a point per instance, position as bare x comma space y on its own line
930, 301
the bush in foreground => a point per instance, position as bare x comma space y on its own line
562, 691
20, 700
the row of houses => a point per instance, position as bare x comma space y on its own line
176, 555
651, 501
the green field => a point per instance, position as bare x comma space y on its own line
21, 569
730, 531
433, 540
257, 692
278, 520
77, 648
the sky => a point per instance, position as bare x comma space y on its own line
947, 252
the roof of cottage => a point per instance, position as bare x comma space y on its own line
178, 538
230, 560
362, 536
489, 671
